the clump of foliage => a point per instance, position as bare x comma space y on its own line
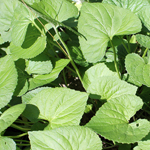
74, 77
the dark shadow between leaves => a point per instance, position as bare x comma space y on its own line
31, 113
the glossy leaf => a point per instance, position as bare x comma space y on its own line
108, 88
112, 120
10, 115
137, 68
143, 40
8, 80
7, 143
60, 106
99, 23
41, 64
40, 80
95, 72
143, 145
70, 138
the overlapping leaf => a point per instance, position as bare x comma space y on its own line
110, 87
133, 5
143, 145
137, 68
41, 64
6, 14
143, 40
70, 138
34, 50
112, 120
60, 106
40, 80
95, 72
7, 143
21, 19
99, 23
10, 115
8, 80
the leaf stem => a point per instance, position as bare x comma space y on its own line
125, 46
145, 52
19, 128
18, 136
109, 147
115, 62
71, 60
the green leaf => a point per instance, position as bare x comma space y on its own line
7, 143
112, 120
40, 80
95, 72
108, 88
34, 50
21, 19
10, 115
143, 145
8, 80
107, 21
143, 15
40, 64
133, 5
60, 106
143, 40
137, 68
70, 138
7, 8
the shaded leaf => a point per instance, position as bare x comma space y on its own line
70, 138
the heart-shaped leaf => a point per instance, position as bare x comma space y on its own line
10, 115
7, 143
68, 138
107, 21
137, 68
8, 80
112, 120
60, 106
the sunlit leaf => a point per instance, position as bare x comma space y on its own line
70, 138
99, 23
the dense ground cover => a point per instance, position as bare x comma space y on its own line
74, 76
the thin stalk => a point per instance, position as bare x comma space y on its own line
125, 46
45, 28
23, 144
115, 61
71, 70
38, 28
19, 128
145, 52
109, 147
128, 43
65, 80
18, 136
71, 60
